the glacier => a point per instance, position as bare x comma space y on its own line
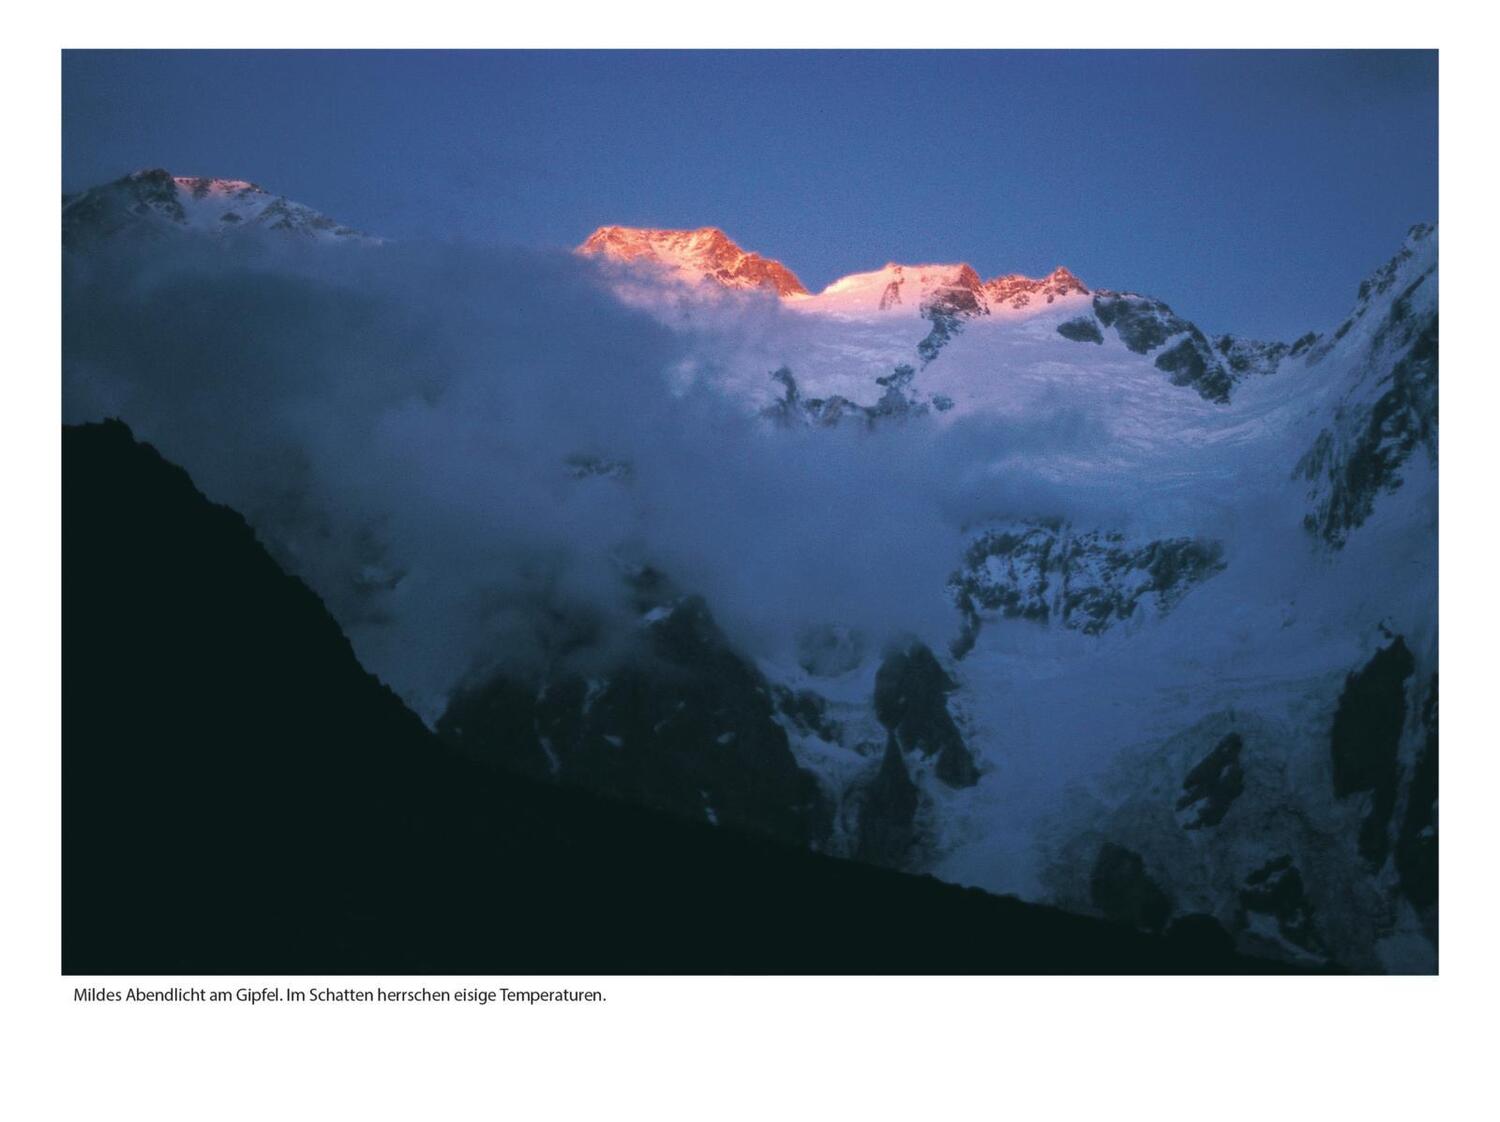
1144, 621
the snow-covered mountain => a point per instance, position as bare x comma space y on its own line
910, 314
1189, 678
692, 256
1205, 685
155, 203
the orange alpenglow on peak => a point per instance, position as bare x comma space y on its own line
710, 254
1018, 290
707, 253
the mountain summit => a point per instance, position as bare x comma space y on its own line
154, 202
706, 253
709, 254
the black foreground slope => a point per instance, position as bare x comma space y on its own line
239, 796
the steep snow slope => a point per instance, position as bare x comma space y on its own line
1091, 741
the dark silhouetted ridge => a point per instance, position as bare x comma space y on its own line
239, 795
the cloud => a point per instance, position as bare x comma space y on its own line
403, 425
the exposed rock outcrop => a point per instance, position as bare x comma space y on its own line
1209, 790
1248, 358
1417, 843
1081, 329
911, 700
685, 725
1388, 416
887, 814
1144, 325
1123, 891
1366, 738
1089, 581
948, 304
1019, 291
896, 403
1275, 891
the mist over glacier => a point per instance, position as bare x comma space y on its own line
398, 422
472, 454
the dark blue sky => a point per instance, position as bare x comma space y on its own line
1252, 191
